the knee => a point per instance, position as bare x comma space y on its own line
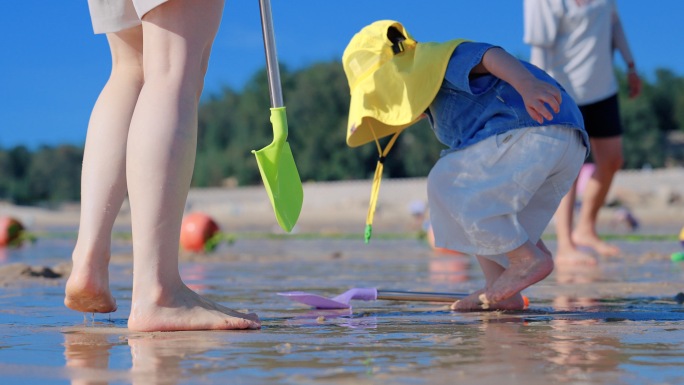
177, 79
128, 73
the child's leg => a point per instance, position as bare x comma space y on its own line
103, 183
492, 271
161, 152
529, 264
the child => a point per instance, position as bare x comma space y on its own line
516, 142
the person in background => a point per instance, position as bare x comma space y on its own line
574, 41
141, 139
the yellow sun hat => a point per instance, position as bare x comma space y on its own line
393, 80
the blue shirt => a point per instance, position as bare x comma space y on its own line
467, 110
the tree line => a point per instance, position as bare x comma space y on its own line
232, 123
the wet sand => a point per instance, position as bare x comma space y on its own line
617, 323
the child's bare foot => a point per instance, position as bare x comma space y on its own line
87, 290
473, 303
187, 310
528, 265
592, 240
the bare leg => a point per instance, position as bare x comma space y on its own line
492, 271
161, 152
528, 265
608, 158
103, 184
567, 253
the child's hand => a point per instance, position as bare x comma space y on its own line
538, 96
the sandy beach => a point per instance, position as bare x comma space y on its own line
620, 322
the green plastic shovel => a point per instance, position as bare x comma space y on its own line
276, 163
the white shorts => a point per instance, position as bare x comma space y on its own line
117, 15
492, 197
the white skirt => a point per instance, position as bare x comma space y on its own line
117, 15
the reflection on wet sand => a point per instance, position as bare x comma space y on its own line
159, 358
558, 349
580, 355
156, 358
449, 268
87, 357
575, 275
594, 326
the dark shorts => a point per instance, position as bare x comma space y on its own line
602, 119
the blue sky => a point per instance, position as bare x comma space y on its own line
52, 66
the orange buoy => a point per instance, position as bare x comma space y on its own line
10, 231
196, 230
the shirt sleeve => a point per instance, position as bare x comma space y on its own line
465, 57
541, 21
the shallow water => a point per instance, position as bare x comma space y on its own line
615, 324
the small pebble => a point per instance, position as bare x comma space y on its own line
485, 302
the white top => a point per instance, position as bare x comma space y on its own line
572, 40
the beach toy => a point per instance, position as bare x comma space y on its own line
197, 230
677, 256
343, 300
276, 163
624, 215
11, 231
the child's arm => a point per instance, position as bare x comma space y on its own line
536, 94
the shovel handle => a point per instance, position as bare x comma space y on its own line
271, 54
396, 295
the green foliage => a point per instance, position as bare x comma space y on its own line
317, 102
232, 124
649, 119
49, 175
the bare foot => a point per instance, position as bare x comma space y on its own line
592, 240
573, 258
187, 310
473, 303
87, 290
528, 265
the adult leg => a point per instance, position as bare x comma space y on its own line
103, 183
607, 153
567, 253
177, 39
